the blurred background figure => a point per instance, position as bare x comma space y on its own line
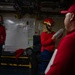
47, 43
2, 34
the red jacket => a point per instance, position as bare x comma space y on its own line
47, 42
2, 34
64, 62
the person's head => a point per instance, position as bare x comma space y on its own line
69, 20
48, 23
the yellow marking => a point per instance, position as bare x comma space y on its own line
30, 65
14, 57
17, 64
3, 63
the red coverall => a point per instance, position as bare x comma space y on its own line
47, 49
64, 62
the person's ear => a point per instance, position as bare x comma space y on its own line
72, 16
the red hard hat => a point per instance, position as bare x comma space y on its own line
48, 21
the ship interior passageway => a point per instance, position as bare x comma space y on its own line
24, 21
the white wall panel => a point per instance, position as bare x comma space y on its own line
18, 33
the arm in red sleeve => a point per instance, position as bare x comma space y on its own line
46, 40
2, 34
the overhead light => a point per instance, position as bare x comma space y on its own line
10, 21
3, 7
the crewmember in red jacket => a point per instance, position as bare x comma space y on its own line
2, 34
64, 62
47, 43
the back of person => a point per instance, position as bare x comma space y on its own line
65, 57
